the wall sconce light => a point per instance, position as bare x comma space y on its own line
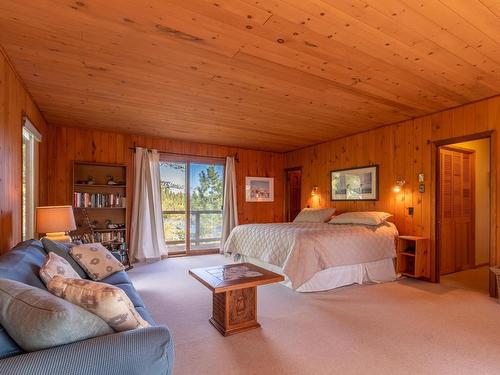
399, 185
315, 191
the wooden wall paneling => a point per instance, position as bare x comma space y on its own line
83, 149
416, 170
63, 167
31, 110
97, 145
438, 130
388, 182
409, 139
494, 111
17, 93
458, 119
319, 173
343, 161
110, 147
120, 148
370, 146
9, 201
15, 102
399, 173
483, 121
426, 197
325, 195
434, 211
494, 198
413, 151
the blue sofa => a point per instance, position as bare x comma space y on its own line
142, 351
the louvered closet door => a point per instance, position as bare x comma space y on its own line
456, 209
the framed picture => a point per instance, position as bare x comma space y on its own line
259, 189
355, 184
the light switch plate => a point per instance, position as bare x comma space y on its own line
421, 178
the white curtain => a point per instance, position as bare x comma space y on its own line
147, 241
230, 206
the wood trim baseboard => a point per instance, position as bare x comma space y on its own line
193, 253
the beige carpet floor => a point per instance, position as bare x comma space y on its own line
476, 279
404, 327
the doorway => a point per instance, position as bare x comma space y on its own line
463, 214
293, 178
191, 200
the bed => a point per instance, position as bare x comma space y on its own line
318, 256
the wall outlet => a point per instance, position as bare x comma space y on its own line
410, 211
421, 188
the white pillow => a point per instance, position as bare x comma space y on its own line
314, 215
364, 218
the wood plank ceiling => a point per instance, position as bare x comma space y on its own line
269, 74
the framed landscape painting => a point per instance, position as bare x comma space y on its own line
356, 184
259, 189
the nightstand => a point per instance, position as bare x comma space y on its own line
413, 256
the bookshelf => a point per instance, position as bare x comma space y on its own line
100, 202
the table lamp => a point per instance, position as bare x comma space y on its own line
55, 221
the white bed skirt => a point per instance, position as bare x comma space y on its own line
380, 271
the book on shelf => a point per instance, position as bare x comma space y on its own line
117, 237
98, 200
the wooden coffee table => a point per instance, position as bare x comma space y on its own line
234, 288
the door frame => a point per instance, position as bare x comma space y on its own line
435, 199
453, 148
287, 192
189, 159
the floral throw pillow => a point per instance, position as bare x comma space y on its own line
56, 265
108, 302
96, 260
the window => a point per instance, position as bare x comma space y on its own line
192, 198
31, 137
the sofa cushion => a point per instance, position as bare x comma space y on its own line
145, 315
106, 301
117, 278
96, 260
62, 250
23, 262
8, 347
35, 319
56, 265
122, 281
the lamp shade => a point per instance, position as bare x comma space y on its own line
51, 219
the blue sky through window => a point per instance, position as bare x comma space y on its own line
195, 173
177, 176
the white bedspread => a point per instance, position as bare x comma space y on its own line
303, 249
